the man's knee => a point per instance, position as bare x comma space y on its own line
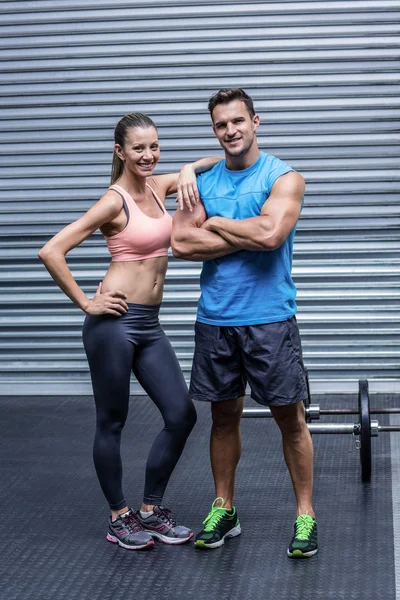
226, 415
290, 418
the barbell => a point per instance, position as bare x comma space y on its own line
364, 429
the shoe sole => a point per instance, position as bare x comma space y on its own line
168, 540
114, 540
300, 554
232, 533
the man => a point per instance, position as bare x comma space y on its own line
246, 330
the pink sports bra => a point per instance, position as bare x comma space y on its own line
143, 237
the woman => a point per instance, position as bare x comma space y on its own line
121, 330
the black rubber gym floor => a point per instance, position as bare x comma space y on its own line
55, 519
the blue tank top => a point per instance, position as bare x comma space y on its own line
248, 287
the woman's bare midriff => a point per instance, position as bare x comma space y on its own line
141, 280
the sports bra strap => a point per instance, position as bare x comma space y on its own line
124, 202
157, 199
135, 206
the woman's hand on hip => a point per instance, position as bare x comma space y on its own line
110, 303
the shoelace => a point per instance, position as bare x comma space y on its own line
304, 525
132, 522
165, 515
213, 517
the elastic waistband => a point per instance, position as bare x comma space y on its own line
144, 309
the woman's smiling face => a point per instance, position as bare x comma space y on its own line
141, 151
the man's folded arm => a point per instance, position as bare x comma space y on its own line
278, 217
192, 242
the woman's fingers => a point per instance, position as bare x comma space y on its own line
188, 195
115, 313
184, 198
179, 198
118, 298
118, 304
117, 293
110, 303
117, 310
195, 192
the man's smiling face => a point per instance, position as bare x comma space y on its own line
234, 127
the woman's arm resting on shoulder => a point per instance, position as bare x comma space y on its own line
184, 182
53, 256
187, 192
279, 215
191, 242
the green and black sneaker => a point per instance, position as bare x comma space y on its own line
304, 541
219, 524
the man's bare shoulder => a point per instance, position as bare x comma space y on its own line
291, 182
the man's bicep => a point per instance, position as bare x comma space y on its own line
286, 197
284, 204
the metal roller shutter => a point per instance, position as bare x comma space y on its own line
324, 78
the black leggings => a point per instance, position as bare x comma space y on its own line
114, 346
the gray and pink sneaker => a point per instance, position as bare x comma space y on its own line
161, 526
128, 532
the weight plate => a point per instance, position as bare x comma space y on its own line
365, 430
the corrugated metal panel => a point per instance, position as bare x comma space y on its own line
324, 77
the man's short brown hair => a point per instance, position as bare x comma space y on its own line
227, 95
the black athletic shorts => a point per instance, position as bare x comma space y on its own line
268, 357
